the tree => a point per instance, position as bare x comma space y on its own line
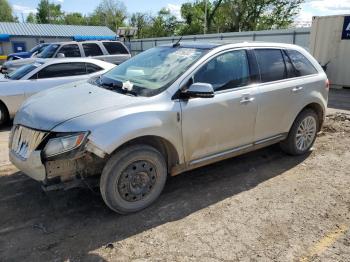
162, 24
247, 15
199, 16
49, 13
31, 18
75, 19
238, 15
6, 12
111, 13
142, 22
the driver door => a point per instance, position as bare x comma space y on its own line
215, 126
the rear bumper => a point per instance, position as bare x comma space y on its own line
32, 166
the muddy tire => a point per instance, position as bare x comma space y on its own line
133, 178
303, 133
4, 115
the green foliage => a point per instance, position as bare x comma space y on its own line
111, 13
49, 13
31, 18
238, 15
247, 15
198, 16
163, 24
6, 12
75, 19
143, 23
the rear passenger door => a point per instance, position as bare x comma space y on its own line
117, 53
280, 93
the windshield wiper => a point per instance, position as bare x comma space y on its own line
115, 86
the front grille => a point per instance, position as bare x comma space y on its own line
25, 140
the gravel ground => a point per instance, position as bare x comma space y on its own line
263, 206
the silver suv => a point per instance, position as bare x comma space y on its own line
114, 52
168, 110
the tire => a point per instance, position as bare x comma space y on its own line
133, 178
292, 144
4, 116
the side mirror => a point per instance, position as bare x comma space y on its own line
60, 55
201, 90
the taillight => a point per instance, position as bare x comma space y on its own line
328, 83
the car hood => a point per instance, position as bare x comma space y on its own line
19, 62
50, 108
3, 79
21, 54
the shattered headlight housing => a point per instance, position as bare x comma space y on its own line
63, 144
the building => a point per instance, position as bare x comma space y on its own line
21, 37
330, 45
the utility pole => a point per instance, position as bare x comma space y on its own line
205, 16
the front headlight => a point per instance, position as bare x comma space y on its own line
63, 144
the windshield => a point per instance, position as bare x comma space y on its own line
22, 71
38, 48
154, 70
49, 51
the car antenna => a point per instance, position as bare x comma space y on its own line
178, 42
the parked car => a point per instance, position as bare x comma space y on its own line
168, 110
110, 51
41, 75
34, 51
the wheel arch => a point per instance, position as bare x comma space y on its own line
6, 109
318, 109
164, 146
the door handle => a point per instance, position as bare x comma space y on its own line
246, 100
297, 89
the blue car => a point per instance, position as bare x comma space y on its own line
35, 50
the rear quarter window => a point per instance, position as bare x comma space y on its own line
301, 64
115, 48
92, 68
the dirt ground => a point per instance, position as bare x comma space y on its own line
263, 206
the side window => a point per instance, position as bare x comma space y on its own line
92, 68
71, 50
301, 64
271, 64
226, 71
92, 49
291, 72
115, 48
62, 70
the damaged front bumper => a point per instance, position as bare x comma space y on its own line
82, 162
31, 166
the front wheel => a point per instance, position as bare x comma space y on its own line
303, 133
133, 178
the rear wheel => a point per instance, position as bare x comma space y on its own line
303, 133
3, 114
133, 178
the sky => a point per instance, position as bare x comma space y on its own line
309, 8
